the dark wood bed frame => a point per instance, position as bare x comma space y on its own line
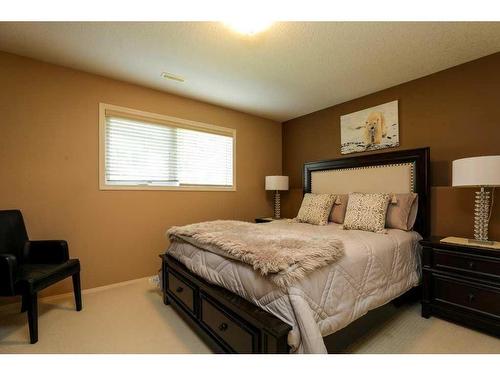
231, 324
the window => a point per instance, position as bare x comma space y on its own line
140, 150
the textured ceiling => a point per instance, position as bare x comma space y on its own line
291, 69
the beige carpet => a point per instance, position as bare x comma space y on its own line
128, 318
131, 318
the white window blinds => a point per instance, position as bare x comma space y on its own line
146, 153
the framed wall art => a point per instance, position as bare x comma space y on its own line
370, 129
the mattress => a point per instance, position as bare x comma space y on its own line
375, 269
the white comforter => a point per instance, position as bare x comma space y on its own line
375, 269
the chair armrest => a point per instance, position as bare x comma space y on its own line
46, 252
8, 270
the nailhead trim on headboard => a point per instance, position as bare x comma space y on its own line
411, 164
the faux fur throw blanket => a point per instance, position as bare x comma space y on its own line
284, 255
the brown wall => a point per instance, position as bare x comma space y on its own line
456, 112
49, 169
49, 158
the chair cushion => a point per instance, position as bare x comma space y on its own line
32, 278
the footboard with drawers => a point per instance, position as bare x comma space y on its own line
226, 322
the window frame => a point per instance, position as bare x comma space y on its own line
156, 118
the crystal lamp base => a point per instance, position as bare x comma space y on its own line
481, 216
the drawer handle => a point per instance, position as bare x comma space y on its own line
471, 297
472, 265
179, 289
223, 327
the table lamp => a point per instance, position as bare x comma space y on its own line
482, 172
277, 183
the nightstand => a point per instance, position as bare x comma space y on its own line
462, 284
266, 219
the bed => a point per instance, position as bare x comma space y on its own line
236, 310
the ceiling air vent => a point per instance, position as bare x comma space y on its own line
171, 76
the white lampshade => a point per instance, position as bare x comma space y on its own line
477, 171
276, 182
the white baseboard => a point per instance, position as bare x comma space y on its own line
84, 292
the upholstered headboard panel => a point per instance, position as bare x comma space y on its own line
389, 178
390, 172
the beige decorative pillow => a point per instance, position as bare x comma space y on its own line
366, 211
315, 208
402, 213
339, 207
413, 214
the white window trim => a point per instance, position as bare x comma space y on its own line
167, 120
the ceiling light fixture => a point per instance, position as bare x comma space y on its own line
172, 77
248, 26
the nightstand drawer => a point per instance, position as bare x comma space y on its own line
462, 284
453, 261
467, 295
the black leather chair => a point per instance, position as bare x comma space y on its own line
26, 267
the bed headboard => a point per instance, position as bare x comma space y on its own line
389, 172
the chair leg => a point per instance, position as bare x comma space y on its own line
24, 304
32, 302
77, 289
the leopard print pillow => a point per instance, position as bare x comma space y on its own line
315, 208
366, 212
